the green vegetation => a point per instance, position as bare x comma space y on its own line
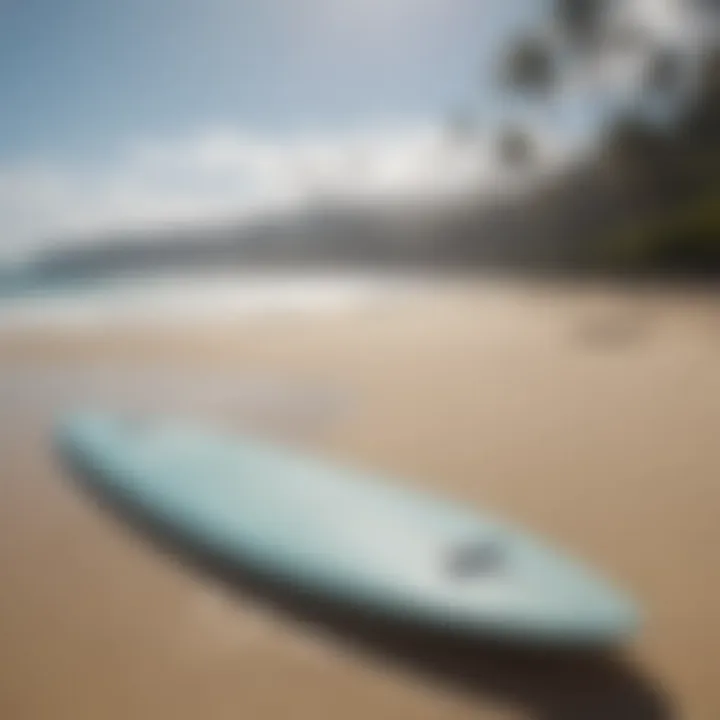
656, 202
683, 240
676, 180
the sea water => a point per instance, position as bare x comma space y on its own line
182, 299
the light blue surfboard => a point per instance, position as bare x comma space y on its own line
346, 536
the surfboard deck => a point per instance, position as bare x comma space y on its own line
351, 537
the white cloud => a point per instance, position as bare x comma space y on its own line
226, 173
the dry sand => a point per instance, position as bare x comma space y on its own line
590, 416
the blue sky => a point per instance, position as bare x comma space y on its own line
79, 78
125, 113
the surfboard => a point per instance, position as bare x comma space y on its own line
348, 536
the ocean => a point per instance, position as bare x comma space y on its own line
185, 298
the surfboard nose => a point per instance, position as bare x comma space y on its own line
586, 607
609, 617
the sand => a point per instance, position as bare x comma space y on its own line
591, 416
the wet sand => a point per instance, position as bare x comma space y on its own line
590, 416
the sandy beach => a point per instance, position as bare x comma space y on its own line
588, 415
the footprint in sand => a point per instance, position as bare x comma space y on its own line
617, 329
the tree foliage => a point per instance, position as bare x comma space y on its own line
530, 67
582, 21
661, 162
516, 147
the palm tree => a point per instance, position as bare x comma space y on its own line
582, 22
516, 147
531, 67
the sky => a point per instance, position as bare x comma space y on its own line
76, 76
128, 113
124, 112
